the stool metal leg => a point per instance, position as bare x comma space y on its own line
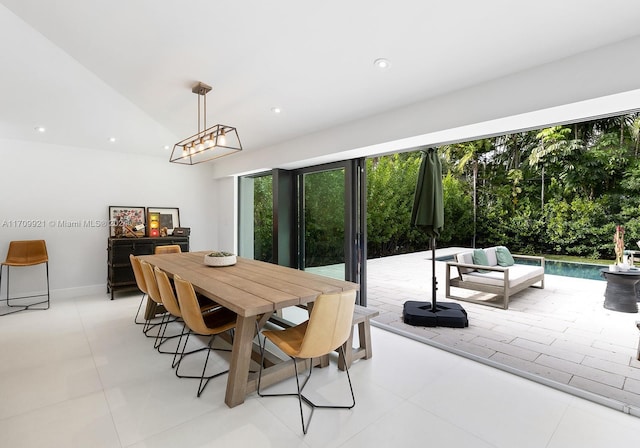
25, 307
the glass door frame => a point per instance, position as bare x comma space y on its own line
355, 222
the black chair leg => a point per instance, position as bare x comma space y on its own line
48, 290
178, 359
204, 369
25, 307
161, 338
301, 397
148, 326
138, 312
204, 380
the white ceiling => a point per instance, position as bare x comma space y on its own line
89, 70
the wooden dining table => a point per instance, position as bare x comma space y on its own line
254, 290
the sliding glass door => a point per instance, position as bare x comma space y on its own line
311, 219
331, 218
322, 222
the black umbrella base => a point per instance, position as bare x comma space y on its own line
419, 314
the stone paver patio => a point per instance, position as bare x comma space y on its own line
561, 335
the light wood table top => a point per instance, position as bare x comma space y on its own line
250, 288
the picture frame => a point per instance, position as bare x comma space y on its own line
169, 217
124, 215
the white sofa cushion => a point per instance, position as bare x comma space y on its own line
491, 256
466, 258
518, 273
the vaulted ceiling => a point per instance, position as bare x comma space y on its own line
91, 70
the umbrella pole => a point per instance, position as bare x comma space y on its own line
433, 274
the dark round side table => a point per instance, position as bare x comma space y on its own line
620, 294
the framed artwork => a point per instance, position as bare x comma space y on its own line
169, 217
120, 216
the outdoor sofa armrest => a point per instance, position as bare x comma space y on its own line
529, 257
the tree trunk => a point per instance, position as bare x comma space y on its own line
542, 194
475, 199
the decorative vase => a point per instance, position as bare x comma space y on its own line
623, 267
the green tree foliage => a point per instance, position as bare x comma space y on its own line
558, 190
324, 218
263, 218
458, 212
578, 182
391, 186
391, 182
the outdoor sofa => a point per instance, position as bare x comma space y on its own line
494, 273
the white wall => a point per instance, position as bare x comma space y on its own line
226, 214
50, 184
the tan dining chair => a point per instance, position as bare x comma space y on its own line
142, 285
326, 330
22, 254
171, 304
168, 249
176, 249
154, 294
212, 323
151, 308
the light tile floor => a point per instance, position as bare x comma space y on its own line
560, 335
82, 375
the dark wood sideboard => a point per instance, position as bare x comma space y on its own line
119, 271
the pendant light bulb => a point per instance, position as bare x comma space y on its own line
200, 145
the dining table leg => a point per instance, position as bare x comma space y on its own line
240, 360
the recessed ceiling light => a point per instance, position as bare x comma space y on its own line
381, 63
276, 110
112, 139
40, 129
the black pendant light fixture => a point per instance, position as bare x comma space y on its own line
211, 143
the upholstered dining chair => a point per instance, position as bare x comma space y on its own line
326, 330
171, 304
23, 254
212, 323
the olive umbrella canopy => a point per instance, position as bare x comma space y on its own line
428, 204
428, 215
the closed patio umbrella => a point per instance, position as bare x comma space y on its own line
428, 201
428, 215
428, 204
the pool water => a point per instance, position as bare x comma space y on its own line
572, 269
564, 268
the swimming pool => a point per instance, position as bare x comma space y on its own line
565, 268
572, 269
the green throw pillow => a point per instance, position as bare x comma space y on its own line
504, 256
480, 257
